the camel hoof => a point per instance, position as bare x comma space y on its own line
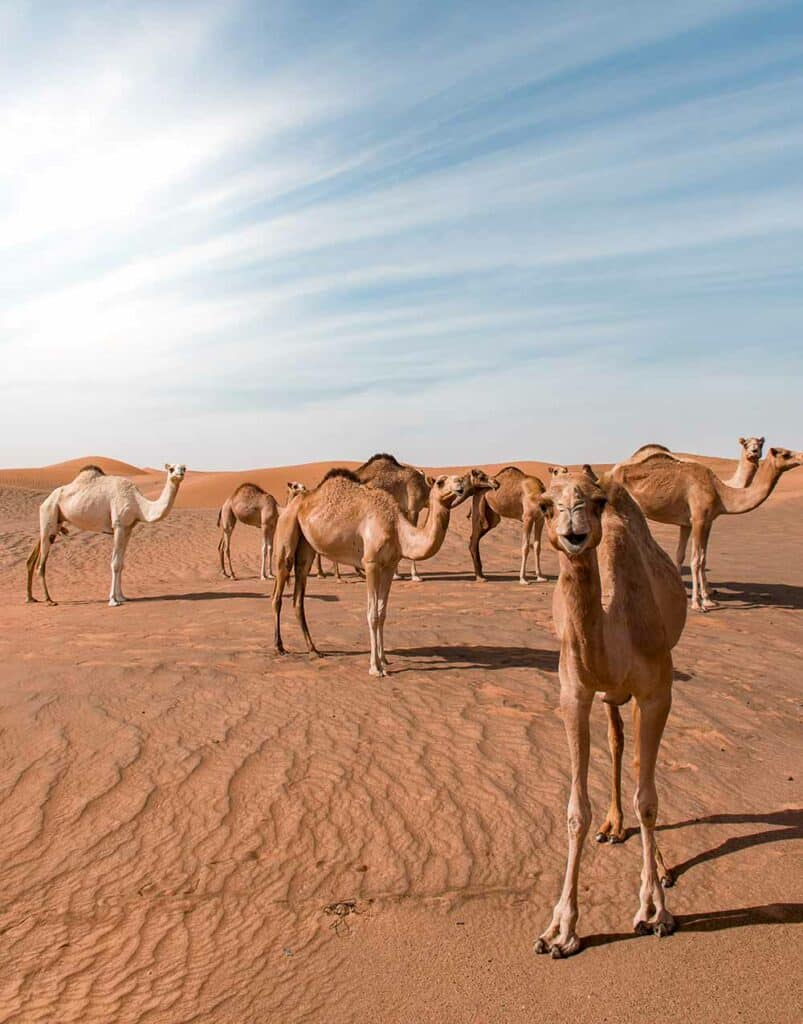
668, 880
540, 579
416, 579
541, 946
616, 837
642, 928
377, 672
601, 837
279, 649
51, 602
480, 579
666, 926
314, 654
524, 583
556, 953
114, 604
31, 600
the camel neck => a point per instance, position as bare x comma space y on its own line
419, 543
736, 501
581, 590
744, 474
153, 511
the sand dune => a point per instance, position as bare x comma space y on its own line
193, 829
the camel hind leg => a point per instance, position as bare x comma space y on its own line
612, 829
48, 531
33, 559
535, 543
286, 541
483, 520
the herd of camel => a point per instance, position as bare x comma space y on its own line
619, 604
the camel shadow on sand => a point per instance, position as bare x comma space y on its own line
716, 921
221, 595
788, 825
759, 595
479, 656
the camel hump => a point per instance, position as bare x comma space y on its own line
513, 470
340, 471
383, 457
91, 470
650, 447
249, 487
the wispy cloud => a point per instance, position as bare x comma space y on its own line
242, 234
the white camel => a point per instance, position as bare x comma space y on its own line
99, 504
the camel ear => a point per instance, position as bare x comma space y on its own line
774, 452
441, 480
761, 441
742, 441
430, 480
547, 506
589, 471
168, 467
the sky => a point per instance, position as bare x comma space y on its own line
247, 234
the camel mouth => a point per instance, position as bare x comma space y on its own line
573, 542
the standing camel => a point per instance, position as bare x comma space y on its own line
690, 495
362, 526
408, 485
514, 497
99, 503
619, 608
252, 506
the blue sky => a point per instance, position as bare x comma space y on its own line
242, 234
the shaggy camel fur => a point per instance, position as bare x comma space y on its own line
361, 526
515, 497
619, 609
408, 485
686, 493
99, 504
252, 506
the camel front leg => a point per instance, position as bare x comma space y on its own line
560, 939
612, 830
652, 915
385, 581
120, 543
526, 523
538, 526
414, 573
700, 598
266, 566
683, 541
373, 589
280, 582
319, 567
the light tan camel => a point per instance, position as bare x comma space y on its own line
362, 526
252, 506
408, 485
515, 497
690, 495
749, 459
619, 609
99, 504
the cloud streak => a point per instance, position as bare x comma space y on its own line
263, 235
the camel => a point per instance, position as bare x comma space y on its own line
690, 495
252, 506
363, 526
619, 608
99, 503
515, 497
749, 459
746, 468
408, 485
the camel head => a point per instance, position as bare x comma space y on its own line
294, 488
572, 509
783, 459
450, 490
479, 480
753, 447
175, 472
557, 471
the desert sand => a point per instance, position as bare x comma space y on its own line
192, 829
